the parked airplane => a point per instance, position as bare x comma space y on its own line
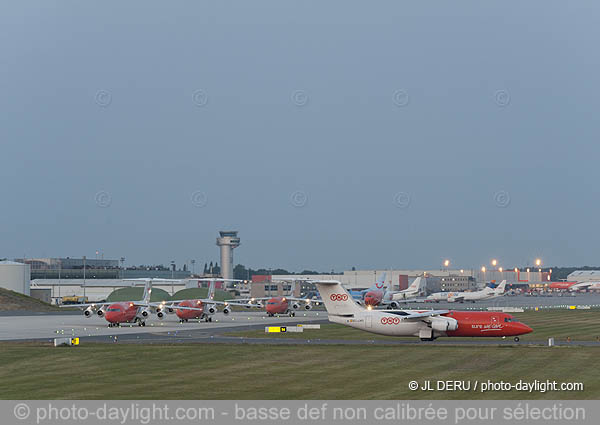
359, 295
394, 299
116, 313
279, 304
202, 309
485, 294
561, 285
425, 324
585, 286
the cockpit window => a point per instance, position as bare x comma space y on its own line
113, 309
510, 319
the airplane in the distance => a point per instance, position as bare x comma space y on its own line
119, 312
485, 294
424, 324
285, 305
394, 299
561, 285
202, 309
594, 286
359, 295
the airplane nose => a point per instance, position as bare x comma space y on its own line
524, 329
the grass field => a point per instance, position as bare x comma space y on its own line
579, 325
198, 371
222, 371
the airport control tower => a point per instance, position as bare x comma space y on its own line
227, 241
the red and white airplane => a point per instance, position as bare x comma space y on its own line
561, 285
116, 313
279, 304
425, 324
202, 309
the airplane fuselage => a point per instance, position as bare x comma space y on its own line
190, 314
120, 313
451, 324
277, 305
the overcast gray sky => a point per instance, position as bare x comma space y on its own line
331, 134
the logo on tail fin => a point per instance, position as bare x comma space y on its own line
381, 282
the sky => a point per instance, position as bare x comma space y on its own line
330, 134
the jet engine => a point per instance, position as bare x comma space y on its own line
88, 312
161, 314
307, 306
443, 324
226, 311
295, 306
394, 305
212, 309
144, 312
100, 312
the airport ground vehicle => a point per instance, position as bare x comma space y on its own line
73, 299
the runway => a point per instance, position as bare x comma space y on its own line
49, 326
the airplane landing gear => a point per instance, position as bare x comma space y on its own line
517, 339
292, 314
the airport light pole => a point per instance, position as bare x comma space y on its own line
84, 258
122, 267
172, 277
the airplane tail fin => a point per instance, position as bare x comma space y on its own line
500, 288
147, 291
416, 284
379, 283
211, 289
336, 298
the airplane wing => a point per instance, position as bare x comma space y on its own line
419, 315
249, 299
166, 305
85, 305
306, 300
410, 300
458, 298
